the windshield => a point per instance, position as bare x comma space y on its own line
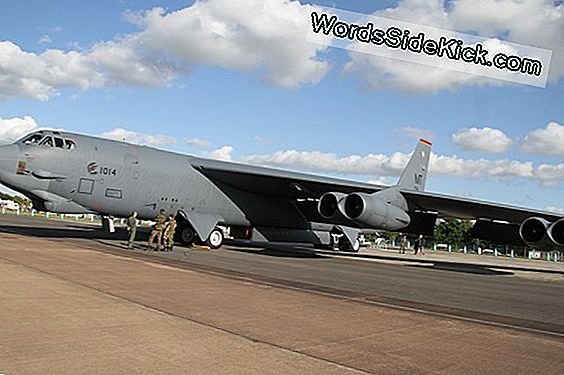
47, 140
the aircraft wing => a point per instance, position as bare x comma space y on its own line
467, 208
275, 182
293, 185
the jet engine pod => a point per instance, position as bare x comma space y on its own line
374, 212
328, 205
556, 232
533, 232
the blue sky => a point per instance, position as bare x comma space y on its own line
326, 119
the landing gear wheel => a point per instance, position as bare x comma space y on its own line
187, 235
356, 246
345, 245
215, 239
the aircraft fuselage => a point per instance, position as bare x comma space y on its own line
114, 178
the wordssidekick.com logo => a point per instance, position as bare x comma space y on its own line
431, 46
92, 167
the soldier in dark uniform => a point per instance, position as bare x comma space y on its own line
157, 231
132, 229
169, 233
418, 246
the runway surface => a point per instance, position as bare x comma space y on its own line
382, 315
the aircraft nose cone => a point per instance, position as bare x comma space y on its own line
9, 155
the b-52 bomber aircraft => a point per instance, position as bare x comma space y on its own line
70, 173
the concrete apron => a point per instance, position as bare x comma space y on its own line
69, 310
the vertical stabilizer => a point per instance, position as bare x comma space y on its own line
414, 175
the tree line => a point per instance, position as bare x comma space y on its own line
22, 201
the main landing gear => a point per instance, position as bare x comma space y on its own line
188, 236
345, 245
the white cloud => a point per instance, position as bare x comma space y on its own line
239, 35
45, 39
547, 141
371, 164
380, 72
381, 181
550, 174
538, 23
263, 35
40, 76
14, 128
120, 134
417, 133
197, 142
555, 209
447, 165
482, 139
261, 140
381, 165
222, 153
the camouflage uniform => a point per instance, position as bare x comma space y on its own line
132, 228
403, 244
169, 234
157, 230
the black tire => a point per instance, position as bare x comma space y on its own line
322, 246
187, 235
215, 239
345, 245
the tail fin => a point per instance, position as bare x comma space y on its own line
414, 175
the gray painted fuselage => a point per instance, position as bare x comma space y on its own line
70, 173
115, 178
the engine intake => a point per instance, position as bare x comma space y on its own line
328, 205
556, 232
533, 232
373, 211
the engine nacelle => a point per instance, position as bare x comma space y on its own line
534, 232
328, 206
556, 232
374, 212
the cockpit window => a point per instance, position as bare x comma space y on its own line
47, 141
33, 139
42, 139
69, 145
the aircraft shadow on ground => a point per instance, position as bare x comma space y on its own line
71, 232
465, 268
78, 231
273, 250
481, 269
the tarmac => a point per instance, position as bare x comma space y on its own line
73, 304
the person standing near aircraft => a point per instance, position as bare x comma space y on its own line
132, 229
169, 233
403, 244
157, 231
418, 247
